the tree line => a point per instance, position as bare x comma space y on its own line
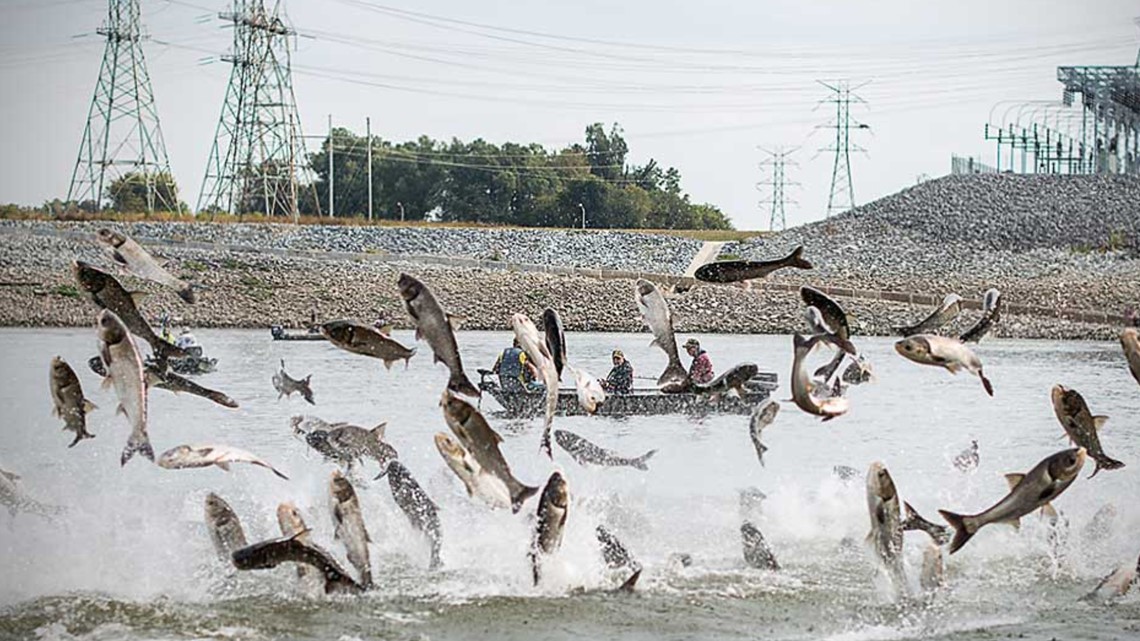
480, 182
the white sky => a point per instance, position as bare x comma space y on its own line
695, 85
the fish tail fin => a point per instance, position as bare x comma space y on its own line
187, 294
630, 583
460, 384
79, 436
962, 532
639, 462
986, 383
1105, 463
520, 495
846, 345
910, 514
135, 443
797, 259
544, 445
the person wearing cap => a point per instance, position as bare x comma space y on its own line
701, 371
620, 379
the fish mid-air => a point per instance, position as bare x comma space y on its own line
480, 484
1130, 342
131, 256
290, 549
292, 525
886, 536
165, 379
68, 401
109, 294
939, 534
553, 508
422, 512
359, 338
437, 328
555, 338
826, 408
286, 385
762, 416
967, 459
589, 390
586, 453
194, 456
656, 314
1045, 482
349, 526
482, 443
833, 315
224, 527
947, 311
941, 351
991, 315
539, 353
1082, 427
125, 375
733, 271
757, 553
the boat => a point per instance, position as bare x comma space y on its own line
639, 402
279, 333
194, 363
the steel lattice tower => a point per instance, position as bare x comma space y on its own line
258, 149
842, 196
122, 135
777, 160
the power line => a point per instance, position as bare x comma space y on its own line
122, 136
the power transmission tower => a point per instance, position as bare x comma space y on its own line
777, 160
122, 135
258, 148
842, 196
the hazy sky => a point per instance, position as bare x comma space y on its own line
694, 85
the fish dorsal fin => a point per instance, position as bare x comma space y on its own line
223, 464
89, 407
455, 320
1016, 523
137, 297
385, 329
1099, 421
379, 430
302, 532
1049, 512
1014, 479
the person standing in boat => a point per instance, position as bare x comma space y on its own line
620, 379
701, 371
516, 374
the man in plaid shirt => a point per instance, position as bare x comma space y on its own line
701, 371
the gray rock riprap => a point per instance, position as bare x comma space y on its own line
560, 248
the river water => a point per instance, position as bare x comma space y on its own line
130, 558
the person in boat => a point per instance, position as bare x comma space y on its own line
167, 335
620, 378
516, 373
186, 339
701, 370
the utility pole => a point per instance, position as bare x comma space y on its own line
583, 208
777, 160
122, 137
842, 195
332, 175
368, 134
401, 208
258, 157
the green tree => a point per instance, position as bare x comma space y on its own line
128, 193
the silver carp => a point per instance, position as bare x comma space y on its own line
224, 526
933, 574
125, 375
1082, 427
482, 442
436, 327
194, 456
756, 551
1116, 584
586, 453
886, 535
270, 554
656, 314
157, 378
421, 511
555, 338
350, 530
589, 390
286, 385
835, 317
941, 351
914, 521
1130, 342
947, 311
827, 408
359, 338
109, 294
537, 351
733, 271
131, 255
1045, 482
479, 483
293, 526
553, 508
68, 401
614, 552
762, 416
